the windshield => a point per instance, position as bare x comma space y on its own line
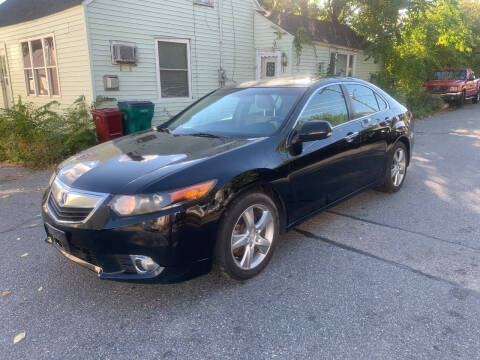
451, 75
239, 113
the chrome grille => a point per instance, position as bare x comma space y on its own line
67, 213
439, 89
67, 205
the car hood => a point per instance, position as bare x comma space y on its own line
112, 166
444, 83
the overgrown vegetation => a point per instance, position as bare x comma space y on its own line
301, 39
412, 38
39, 136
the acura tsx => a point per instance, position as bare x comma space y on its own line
218, 183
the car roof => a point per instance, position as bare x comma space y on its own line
295, 81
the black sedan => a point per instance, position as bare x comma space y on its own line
220, 181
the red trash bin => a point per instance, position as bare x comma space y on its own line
108, 123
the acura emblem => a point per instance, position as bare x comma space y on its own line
63, 198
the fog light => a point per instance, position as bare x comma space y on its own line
144, 264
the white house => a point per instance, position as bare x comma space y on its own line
170, 52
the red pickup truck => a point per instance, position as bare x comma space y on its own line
455, 86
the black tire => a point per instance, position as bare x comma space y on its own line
476, 98
388, 184
223, 257
461, 100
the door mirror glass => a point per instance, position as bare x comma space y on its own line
314, 130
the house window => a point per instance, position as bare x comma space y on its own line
203, 2
173, 62
341, 65
40, 67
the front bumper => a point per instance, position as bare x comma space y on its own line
180, 241
451, 96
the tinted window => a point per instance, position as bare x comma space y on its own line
363, 98
328, 105
450, 75
252, 112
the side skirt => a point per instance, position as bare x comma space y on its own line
336, 202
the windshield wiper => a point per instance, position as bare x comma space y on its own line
200, 134
164, 129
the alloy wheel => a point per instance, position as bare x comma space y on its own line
399, 167
252, 237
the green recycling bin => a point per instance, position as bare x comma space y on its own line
138, 115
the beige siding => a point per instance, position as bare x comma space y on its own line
269, 36
309, 64
69, 30
366, 67
143, 21
310, 60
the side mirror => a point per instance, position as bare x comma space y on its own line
313, 131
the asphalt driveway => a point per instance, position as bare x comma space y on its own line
378, 277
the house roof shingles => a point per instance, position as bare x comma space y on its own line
317, 30
18, 11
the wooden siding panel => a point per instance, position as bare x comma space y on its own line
69, 30
268, 36
143, 21
366, 67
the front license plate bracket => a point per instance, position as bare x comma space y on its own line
59, 238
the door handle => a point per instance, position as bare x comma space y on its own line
351, 136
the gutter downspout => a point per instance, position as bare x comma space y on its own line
220, 30
85, 4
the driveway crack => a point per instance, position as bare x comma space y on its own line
393, 227
311, 235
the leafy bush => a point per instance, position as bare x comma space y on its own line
39, 136
422, 104
419, 102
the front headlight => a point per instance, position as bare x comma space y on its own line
131, 205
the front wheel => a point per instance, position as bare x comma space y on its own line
247, 236
396, 169
461, 100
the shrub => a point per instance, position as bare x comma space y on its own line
422, 104
419, 102
39, 136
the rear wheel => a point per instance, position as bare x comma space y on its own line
247, 236
396, 169
476, 98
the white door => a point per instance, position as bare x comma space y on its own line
268, 64
5, 89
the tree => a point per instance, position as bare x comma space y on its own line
299, 7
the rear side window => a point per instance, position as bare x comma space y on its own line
364, 100
328, 105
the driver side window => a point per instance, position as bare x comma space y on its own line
327, 105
